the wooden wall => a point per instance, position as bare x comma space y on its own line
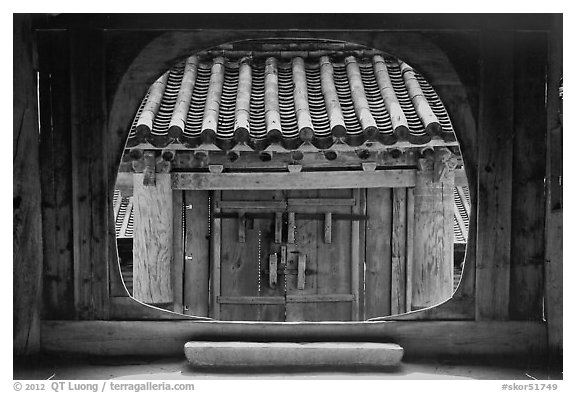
502, 67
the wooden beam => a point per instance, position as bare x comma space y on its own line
495, 145
27, 235
319, 298
289, 181
153, 338
251, 300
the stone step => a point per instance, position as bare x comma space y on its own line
280, 354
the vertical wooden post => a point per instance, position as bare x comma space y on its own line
215, 240
528, 194
278, 228
495, 145
328, 228
27, 235
378, 252
196, 254
433, 248
56, 176
554, 202
291, 227
91, 192
178, 250
409, 246
153, 232
398, 280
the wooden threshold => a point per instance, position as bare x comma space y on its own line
418, 338
293, 180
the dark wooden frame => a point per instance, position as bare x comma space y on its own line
469, 67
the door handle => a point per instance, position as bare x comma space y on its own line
301, 271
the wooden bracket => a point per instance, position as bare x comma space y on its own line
215, 168
301, 271
273, 271
444, 164
369, 166
278, 228
291, 227
328, 228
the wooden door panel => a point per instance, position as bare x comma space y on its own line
328, 265
243, 265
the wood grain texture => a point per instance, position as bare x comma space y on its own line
27, 230
432, 278
378, 252
288, 180
495, 148
196, 253
56, 177
92, 186
528, 194
153, 237
435, 338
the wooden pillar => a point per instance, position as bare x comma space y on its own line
554, 202
433, 242
91, 195
529, 168
27, 231
56, 175
378, 252
495, 148
153, 232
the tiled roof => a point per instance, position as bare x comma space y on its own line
227, 100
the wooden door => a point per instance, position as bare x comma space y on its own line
287, 255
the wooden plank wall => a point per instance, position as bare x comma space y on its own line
495, 145
56, 176
528, 197
27, 229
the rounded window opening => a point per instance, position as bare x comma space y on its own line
291, 180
